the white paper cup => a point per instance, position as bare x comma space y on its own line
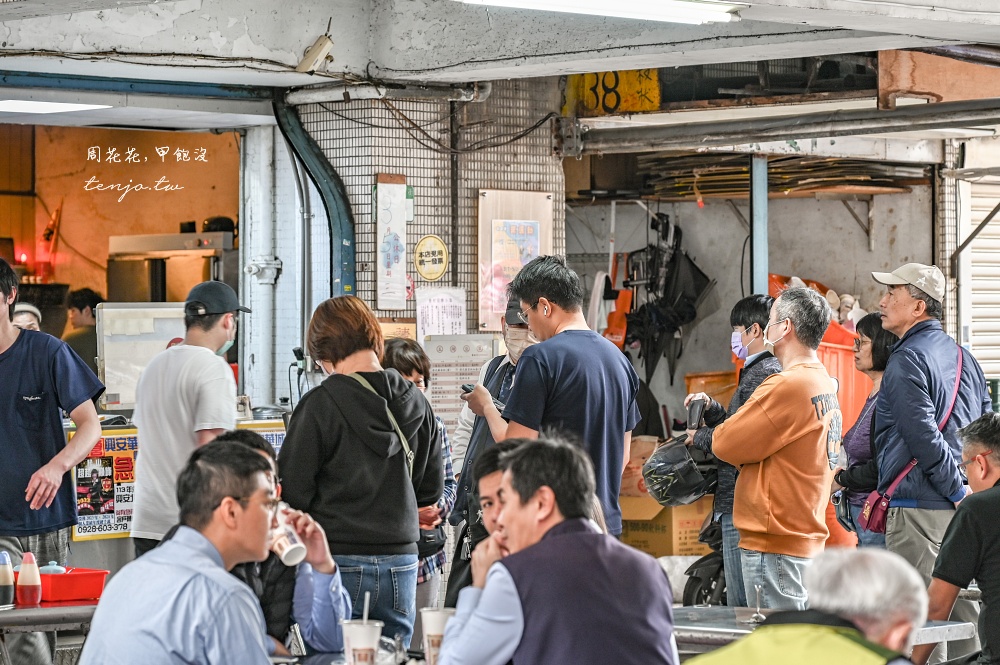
361, 640
433, 622
287, 544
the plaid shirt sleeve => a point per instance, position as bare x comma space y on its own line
447, 501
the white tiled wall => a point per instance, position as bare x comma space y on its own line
363, 138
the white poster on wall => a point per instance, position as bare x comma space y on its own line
390, 225
440, 311
456, 359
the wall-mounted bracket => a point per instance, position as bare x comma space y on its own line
972, 236
739, 215
869, 226
264, 268
569, 137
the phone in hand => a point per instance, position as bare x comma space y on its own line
696, 410
468, 388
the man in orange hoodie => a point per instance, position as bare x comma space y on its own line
785, 439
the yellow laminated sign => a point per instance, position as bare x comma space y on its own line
610, 93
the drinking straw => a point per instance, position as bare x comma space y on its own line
364, 616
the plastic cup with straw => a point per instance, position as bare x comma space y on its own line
361, 637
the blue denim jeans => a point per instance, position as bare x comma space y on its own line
391, 579
736, 595
780, 578
866, 538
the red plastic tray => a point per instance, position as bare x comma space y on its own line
75, 584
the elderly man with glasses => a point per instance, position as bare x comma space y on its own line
971, 546
931, 388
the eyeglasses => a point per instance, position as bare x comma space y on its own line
523, 315
272, 505
967, 462
858, 343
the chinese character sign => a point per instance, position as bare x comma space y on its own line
390, 236
440, 311
430, 257
456, 359
104, 484
130, 157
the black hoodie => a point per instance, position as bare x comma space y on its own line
343, 463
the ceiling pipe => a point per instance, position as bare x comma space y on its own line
475, 92
976, 54
576, 140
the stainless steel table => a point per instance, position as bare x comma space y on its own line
696, 628
47, 617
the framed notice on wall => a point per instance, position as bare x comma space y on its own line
393, 209
514, 228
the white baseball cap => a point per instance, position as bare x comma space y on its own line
928, 279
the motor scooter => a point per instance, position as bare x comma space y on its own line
706, 583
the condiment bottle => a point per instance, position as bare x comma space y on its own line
6, 580
29, 582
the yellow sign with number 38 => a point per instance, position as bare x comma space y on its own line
609, 93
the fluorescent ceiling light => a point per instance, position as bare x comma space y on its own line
25, 106
694, 12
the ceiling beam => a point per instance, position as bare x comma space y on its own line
782, 128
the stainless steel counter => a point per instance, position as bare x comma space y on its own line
700, 627
47, 617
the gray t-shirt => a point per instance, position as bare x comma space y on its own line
183, 390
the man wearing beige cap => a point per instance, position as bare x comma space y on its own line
931, 388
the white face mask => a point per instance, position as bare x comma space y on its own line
517, 340
769, 343
229, 341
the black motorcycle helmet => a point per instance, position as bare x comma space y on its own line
673, 478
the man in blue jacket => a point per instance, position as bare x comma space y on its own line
917, 417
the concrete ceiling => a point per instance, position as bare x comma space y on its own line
12, 10
437, 41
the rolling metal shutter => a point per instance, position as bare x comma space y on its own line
985, 280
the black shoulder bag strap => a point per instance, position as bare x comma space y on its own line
407, 452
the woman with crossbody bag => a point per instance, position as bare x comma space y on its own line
871, 353
362, 455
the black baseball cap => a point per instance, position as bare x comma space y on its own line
511, 316
212, 298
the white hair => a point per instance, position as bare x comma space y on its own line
870, 587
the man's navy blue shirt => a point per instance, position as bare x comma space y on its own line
39, 375
580, 383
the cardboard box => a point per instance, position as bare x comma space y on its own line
720, 386
632, 482
662, 531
